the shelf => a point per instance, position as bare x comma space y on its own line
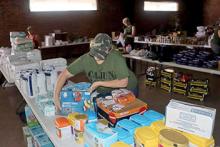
47, 124
69, 44
173, 44
204, 70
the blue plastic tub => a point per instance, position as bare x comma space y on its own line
153, 115
141, 120
128, 125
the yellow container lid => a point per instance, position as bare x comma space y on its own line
157, 126
170, 138
120, 144
81, 117
71, 117
199, 141
146, 135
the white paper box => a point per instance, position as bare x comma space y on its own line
190, 118
59, 63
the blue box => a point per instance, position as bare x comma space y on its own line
153, 115
37, 130
43, 141
128, 125
92, 116
30, 117
124, 135
95, 135
73, 96
141, 120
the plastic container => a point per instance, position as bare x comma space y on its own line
171, 138
63, 127
78, 135
128, 125
124, 135
157, 126
72, 117
145, 136
99, 135
196, 141
80, 121
120, 144
141, 120
153, 115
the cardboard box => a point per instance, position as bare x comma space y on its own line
136, 107
190, 118
30, 118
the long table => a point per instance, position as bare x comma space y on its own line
173, 44
47, 123
172, 64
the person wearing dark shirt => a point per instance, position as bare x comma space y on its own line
34, 37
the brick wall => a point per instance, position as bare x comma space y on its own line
15, 16
211, 11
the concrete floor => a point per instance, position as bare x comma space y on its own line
11, 126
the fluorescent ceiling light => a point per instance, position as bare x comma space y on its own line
62, 5
160, 6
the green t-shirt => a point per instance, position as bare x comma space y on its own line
114, 67
216, 39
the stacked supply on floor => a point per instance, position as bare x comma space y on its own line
166, 80
152, 74
180, 83
198, 89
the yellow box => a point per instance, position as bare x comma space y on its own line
120, 144
157, 126
145, 137
196, 141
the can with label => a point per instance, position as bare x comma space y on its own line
80, 121
78, 135
171, 138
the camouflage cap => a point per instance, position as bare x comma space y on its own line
100, 46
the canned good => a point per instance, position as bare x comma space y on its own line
80, 120
171, 138
78, 135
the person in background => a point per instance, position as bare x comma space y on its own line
34, 37
126, 37
215, 42
105, 68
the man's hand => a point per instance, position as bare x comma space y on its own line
94, 86
57, 103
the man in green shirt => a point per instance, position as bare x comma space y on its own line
105, 68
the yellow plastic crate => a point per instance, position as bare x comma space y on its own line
157, 126
120, 144
196, 141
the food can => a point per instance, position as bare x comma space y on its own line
80, 120
171, 138
78, 135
